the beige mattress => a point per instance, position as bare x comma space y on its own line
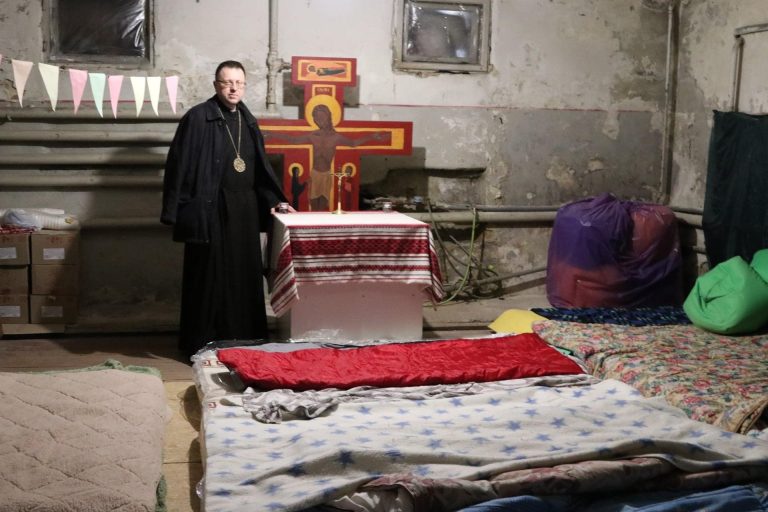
83, 440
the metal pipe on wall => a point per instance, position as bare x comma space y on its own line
57, 181
44, 113
274, 63
143, 137
509, 217
670, 83
738, 50
123, 159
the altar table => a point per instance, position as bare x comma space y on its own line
352, 276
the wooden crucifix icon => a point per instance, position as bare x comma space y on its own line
322, 146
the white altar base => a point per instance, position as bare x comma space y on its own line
355, 312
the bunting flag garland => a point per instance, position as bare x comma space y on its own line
153, 85
172, 85
138, 83
50, 74
115, 84
97, 90
21, 70
77, 78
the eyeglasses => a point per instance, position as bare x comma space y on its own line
230, 85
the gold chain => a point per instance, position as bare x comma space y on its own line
239, 163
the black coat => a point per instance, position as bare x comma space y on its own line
193, 172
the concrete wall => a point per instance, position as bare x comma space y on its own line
572, 107
705, 83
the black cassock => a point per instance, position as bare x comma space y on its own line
222, 290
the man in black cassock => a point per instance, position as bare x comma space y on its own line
219, 192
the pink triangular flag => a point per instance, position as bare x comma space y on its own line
115, 84
172, 85
21, 70
78, 78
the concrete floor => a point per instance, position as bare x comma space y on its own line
473, 314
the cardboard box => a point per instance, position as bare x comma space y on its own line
52, 309
55, 279
14, 249
14, 280
14, 309
55, 247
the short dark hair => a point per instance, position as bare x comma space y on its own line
228, 64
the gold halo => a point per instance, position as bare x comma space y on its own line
328, 101
351, 166
295, 164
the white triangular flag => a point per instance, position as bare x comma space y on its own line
97, 90
50, 74
21, 70
138, 83
153, 85
115, 84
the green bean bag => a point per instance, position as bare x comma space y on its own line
731, 298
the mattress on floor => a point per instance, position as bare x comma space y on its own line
84, 440
444, 447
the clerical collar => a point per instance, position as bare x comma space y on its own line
225, 108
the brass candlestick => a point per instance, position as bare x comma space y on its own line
340, 175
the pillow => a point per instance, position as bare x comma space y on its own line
731, 298
515, 321
760, 263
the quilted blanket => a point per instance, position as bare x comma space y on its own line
722, 380
86, 440
400, 364
546, 438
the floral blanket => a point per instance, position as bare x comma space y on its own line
722, 380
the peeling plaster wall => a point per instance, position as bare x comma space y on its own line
572, 107
705, 83
593, 69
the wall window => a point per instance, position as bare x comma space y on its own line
114, 31
442, 35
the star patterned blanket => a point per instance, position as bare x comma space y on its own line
563, 436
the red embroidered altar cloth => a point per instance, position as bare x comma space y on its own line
359, 247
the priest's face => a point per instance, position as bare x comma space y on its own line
230, 86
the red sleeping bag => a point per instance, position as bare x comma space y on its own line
400, 364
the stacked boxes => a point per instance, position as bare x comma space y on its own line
54, 277
39, 277
14, 278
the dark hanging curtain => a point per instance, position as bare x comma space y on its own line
735, 218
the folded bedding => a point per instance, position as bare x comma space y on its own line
400, 364
661, 315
